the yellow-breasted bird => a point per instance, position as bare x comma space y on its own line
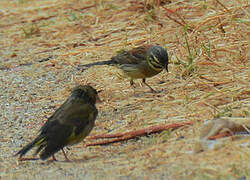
69, 125
138, 63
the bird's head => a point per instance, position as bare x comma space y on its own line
86, 92
158, 57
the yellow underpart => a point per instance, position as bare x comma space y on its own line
74, 139
157, 62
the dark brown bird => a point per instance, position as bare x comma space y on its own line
138, 63
69, 125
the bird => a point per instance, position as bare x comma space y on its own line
69, 124
138, 63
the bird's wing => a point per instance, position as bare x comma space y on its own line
133, 56
79, 114
66, 123
75, 113
57, 113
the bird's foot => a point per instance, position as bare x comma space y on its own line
152, 90
66, 158
53, 158
81, 68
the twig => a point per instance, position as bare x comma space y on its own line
227, 134
48, 50
134, 134
82, 8
170, 11
42, 18
143, 131
183, 23
221, 135
204, 22
222, 5
28, 159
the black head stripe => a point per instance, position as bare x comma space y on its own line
160, 54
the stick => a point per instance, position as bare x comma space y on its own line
134, 134
221, 135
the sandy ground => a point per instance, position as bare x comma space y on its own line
42, 42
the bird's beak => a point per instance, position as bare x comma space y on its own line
98, 100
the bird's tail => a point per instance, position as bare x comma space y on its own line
24, 150
86, 66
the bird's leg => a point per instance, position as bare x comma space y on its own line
144, 82
66, 158
53, 158
82, 68
132, 83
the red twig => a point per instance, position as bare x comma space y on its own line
82, 8
134, 134
222, 5
178, 22
182, 23
221, 135
42, 18
174, 12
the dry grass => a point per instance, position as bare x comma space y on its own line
208, 43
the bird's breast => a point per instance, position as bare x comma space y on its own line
79, 137
139, 71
